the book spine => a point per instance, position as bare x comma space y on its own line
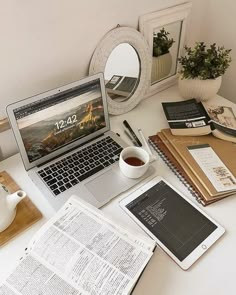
176, 171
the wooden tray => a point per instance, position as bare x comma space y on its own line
26, 213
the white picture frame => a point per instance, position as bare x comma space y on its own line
149, 23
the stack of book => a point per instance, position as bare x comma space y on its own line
174, 150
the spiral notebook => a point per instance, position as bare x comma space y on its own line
173, 150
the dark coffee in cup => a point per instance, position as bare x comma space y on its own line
133, 161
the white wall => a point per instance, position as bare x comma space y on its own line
196, 27
49, 43
220, 26
45, 44
214, 21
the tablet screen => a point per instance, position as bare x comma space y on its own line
173, 220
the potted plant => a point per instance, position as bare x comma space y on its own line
202, 70
162, 60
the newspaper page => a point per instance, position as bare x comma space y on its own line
79, 251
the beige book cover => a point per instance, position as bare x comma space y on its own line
182, 170
191, 177
224, 149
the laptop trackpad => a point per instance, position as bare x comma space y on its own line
108, 185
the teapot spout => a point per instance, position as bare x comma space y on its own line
15, 198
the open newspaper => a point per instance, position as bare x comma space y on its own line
80, 251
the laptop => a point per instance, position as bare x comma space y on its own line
66, 144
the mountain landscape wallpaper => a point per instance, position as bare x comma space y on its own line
46, 136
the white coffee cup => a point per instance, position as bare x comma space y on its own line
134, 161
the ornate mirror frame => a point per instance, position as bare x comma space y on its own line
149, 22
100, 56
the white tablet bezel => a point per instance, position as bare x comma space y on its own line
199, 250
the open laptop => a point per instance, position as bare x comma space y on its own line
66, 145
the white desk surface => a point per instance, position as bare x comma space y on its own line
214, 273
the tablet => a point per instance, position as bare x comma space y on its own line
177, 225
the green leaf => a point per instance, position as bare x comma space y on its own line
204, 63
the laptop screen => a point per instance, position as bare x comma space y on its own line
55, 121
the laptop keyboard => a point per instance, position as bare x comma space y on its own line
73, 169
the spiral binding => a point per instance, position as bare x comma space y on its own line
174, 169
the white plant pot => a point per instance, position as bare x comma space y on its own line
199, 89
161, 66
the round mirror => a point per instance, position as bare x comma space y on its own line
122, 72
123, 56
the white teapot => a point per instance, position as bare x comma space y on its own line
8, 204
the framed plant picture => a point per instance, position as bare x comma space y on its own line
164, 31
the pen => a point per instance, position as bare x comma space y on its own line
145, 142
126, 124
152, 157
131, 138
